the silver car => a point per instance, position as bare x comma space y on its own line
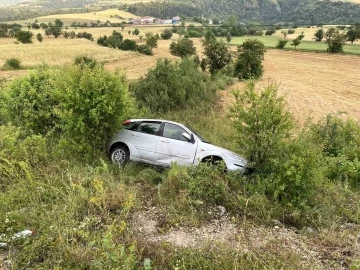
161, 142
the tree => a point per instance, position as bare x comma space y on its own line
166, 34
184, 47
319, 35
261, 123
296, 42
285, 33
24, 36
39, 37
352, 35
152, 41
218, 54
249, 62
335, 40
228, 37
216, 21
122, 27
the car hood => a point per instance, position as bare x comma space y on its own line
225, 153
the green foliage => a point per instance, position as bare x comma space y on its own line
353, 35
136, 32
183, 47
319, 35
128, 45
152, 41
166, 34
12, 64
341, 147
24, 36
262, 123
144, 49
81, 105
217, 54
39, 37
249, 62
335, 40
296, 42
170, 86
228, 37
281, 44
85, 60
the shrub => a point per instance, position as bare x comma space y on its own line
170, 86
39, 37
217, 53
249, 62
291, 31
128, 45
12, 64
281, 43
184, 47
82, 106
166, 34
262, 123
144, 49
85, 60
24, 36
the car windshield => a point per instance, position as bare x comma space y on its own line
197, 135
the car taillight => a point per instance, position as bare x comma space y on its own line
126, 122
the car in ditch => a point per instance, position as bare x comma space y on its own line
162, 142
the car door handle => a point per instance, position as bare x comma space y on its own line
137, 135
165, 141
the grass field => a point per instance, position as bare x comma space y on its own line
271, 41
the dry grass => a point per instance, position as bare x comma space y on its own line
314, 84
103, 16
59, 51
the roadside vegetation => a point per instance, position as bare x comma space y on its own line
89, 214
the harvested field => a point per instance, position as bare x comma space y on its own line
314, 84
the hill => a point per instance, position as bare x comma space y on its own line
274, 11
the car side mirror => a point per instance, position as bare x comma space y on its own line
186, 136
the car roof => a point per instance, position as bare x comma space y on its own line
156, 120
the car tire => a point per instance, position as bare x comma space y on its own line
120, 155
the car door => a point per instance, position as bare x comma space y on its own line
173, 147
145, 139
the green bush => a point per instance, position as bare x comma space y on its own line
169, 86
128, 45
144, 49
184, 47
85, 60
81, 106
281, 43
249, 62
166, 34
262, 123
12, 64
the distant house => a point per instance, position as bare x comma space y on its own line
136, 21
176, 19
147, 19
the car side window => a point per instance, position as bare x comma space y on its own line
149, 127
175, 132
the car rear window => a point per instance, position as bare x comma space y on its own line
149, 127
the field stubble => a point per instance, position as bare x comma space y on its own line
314, 84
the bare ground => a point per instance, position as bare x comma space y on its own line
313, 250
